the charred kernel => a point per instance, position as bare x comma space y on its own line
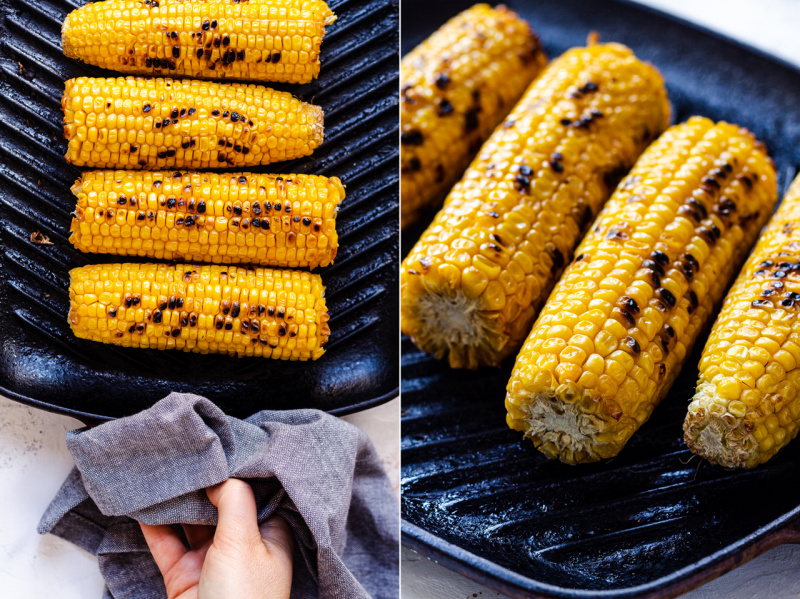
172, 302
787, 303
171, 202
693, 302
288, 207
256, 208
660, 257
157, 316
630, 318
565, 122
698, 207
237, 210
761, 303
471, 121
146, 108
445, 107
256, 222
777, 284
666, 295
235, 117
265, 224
276, 57
226, 41
128, 301
175, 113
176, 51
225, 114
442, 81
557, 166
629, 304
306, 221
710, 182
281, 312
296, 219
525, 170
282, 331
779, 274
522, 183
654, 266
633, 345
748, 182
236, 309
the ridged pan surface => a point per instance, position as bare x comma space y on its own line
41, 362
655, 521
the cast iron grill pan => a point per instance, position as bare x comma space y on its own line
654, 521
42, 363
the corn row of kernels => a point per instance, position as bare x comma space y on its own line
475, 280
618, 326
279, 220
456, 87
139, 123
262, 312
276, 42
747, 405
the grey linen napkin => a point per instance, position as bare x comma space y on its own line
318, 472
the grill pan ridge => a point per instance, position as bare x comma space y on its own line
41, 363
655, 521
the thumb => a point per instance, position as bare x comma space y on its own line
237, 526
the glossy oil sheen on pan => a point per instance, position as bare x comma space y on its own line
44, 364
654, 521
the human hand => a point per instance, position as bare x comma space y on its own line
237, 558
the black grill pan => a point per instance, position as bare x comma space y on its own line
41, 363
654, 521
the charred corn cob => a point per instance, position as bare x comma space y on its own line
456, 87
613, 335
473, 283
277, 314
134, 123
276, 220
747, 405
266, 40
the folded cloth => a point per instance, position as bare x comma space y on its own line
318, 472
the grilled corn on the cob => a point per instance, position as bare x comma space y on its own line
456, 87
134, 123
474, 282
265, 40
275, 220
277, 314
747, 405
613, 335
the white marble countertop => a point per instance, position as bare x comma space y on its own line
770, 25
34, 462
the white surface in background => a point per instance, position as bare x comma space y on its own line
34, 462
772, 26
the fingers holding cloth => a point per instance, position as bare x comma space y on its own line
318, 474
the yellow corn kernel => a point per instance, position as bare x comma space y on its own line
702, 176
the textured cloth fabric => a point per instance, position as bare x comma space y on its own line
318, 472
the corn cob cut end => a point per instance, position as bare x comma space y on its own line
456, 326
722, 439
562, 424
